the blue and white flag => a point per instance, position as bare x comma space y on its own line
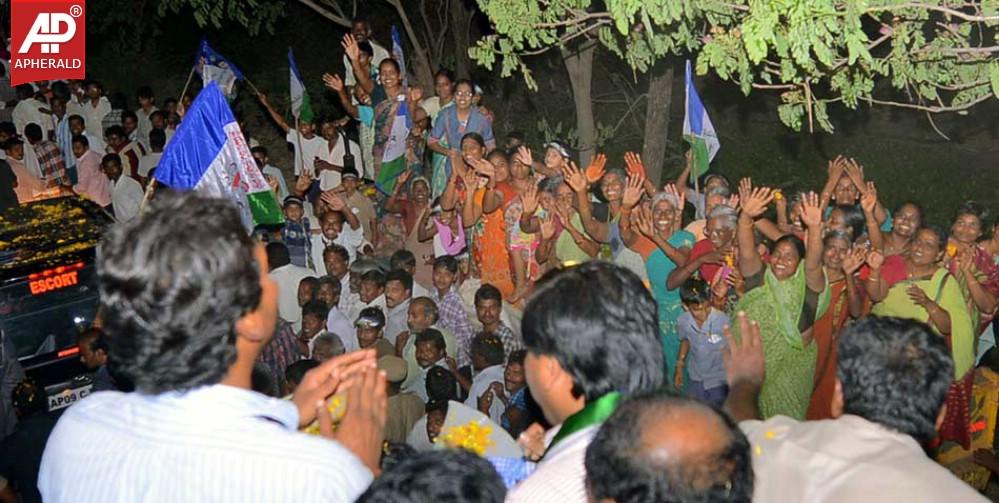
211, 65
398, 56
698, 130
209, 154
394, 157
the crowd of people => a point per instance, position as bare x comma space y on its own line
703, 340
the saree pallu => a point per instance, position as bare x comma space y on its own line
947, 293
777, 306
825, 333
986, 272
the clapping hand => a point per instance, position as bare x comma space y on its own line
853, 260
333, 82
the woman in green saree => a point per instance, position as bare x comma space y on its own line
785, 294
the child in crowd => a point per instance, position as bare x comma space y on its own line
487, 383
296, 232
370, 327
701, 338
514, 395
430, 353
294, 374
405, 260
452, 311
333, 231
446, 229
307, 289
314, 314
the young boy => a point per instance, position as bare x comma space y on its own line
295, 233
430, 353
514, 397
313, 324
488, 308
370, 327
452, 312
487, 364
700, 328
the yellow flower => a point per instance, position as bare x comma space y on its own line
471, 436
337, 407
951, 250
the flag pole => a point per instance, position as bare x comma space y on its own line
150, 188
186, 84
298, 140
252, 87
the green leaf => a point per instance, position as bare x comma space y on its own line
994, 77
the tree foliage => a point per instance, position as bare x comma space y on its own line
933, 56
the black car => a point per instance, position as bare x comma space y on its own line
48, 289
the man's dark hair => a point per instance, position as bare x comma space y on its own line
296, 371
259, 149
374, 313
517, 357
331, 281
488, 292
33, 132
171, 292
337, 249
451, 475
375, 276
112, 159
161, 115
441, 384
695, 291
402, 277
433, 336
490, 347
624, 465
315, 308
394, 453
77, 118
429, 307
277, 255
145, 92
894, 372
157, 138
115, 130
81, 139
366, 48
448, 262
599, 322
94, 338
24, 92
262, 380
128, 114
402, 258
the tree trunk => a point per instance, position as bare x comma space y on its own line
579, 64
419, 63
657, 110
459, 20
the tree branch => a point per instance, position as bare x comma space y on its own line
935, 110
936, 8
326, 13
566, 38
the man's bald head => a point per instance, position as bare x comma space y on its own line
665, 448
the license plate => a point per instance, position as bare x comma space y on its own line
68, 397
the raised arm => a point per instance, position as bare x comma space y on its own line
633, 190
425, 230
835, 171
449, 199
855, 172
335, 83
528, 221
525, 158
395, 203
876, 286
354, 53
636, 167
869, 203
984, 300
811, 216
851, 264
273, 113
642, 219
754, 203
336, 203
577, 181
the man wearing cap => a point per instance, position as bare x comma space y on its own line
404, 408
370, 327
360, 205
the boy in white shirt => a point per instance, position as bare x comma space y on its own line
126, 192
304, 140
487, 362
148, 162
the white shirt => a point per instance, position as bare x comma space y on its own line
288, 277
418, 438
29, 111
144, 125
480, 385
93, 116
338, 323
359, 306
126, 197
329, 179
420, 291
215, 443
396, 321
845, 459
148, 162
351, 239
561, 475
310, 147
416, 378
96, 143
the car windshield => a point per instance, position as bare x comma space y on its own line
39, 318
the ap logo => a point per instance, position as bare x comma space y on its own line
49, 40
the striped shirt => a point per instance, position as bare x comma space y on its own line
454, 318
215, 443
51, 163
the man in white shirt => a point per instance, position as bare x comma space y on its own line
126, 192
287, 276
330, 163
582, 357
891, 384
487, 362
361, 29
147, 105
337, 322
422, 315
148, 162
658, 446
193, 415
95, 107
398, 292
29, 111
339, 227
371, 293
304, 140
77, 126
